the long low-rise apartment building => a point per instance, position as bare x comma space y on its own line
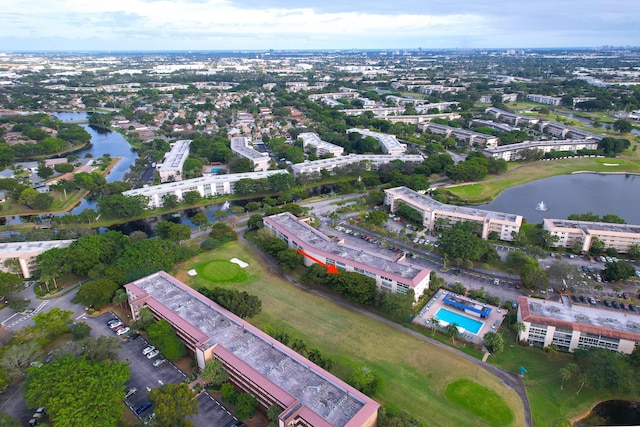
310, 139
544, 99
559, 130
436, 214
388, 143
256, 363
570, 326
367, 161
515, 119
469, 136
240, 146
390, 274
171, 168
617, 236
419, 118
517, 151
209, 185
500, 127
24, 254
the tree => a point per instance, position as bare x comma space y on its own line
453, 331
363, 379
214, 373
246, 406
229, 394
565, 374
622, 126
45, 172
518, 327
7, 420
583, 378
289, 259
172, 231
169, 201
145, 317
27, 196
96, 293
53, 322
42, 202
79, 391
597, 246
162, 335
615, 271
494, 342
434, 324
200, 219
376, 218
16, 358
239, 303
191, 197
80, 330
634, 251
222, 232
255, 222
173, 403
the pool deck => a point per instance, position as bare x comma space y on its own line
490, 324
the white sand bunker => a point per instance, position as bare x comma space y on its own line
192, 273
241, 263
610, 164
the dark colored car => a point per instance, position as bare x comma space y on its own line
607, 303
140, 409
616, 304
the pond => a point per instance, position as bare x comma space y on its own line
567, 194
613, 413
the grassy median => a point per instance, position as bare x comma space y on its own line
415, 373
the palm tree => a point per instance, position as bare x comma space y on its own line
583, 379
517, 328
434, 324
453, 331
334, 217
566, 376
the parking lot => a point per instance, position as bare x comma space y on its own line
145, 376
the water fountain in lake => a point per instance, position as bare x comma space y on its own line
541, 207
226, 206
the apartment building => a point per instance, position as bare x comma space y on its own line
334, 95
388, 143
569, 326
500, 127
241, 146
617, 236
517, 151
514, 119
420, 118
561, 131
209, 185
366, 161
436, 214
469, 136
24, 255
391, 274
544, 99
310, 139
257, 364
171, 168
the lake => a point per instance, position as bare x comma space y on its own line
567, 194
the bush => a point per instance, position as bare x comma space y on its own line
210, 244
80, 330
18, 304
246, 406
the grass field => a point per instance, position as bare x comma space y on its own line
415, 373
550, 406
476, 399
522, 173
221, 271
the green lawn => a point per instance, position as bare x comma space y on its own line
522, 173
415, 373
476, 399
220, 271
550, 406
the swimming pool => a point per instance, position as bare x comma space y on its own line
215, 170
469, 324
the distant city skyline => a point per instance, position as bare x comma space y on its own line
329, 24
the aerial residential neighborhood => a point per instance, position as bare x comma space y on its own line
305, 232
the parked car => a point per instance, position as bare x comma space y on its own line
130, 392
123, 331
116, 324
632, 307
607, 303
148, 350
140, 409
153, 354
159, 362
616, 304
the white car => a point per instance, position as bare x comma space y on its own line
159, 362
116, 324
123, 331
153, 354
148, 350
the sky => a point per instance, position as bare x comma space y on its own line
111, 25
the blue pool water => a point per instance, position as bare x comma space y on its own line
215, 170
465, 322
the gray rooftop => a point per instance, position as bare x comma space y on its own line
601, 318
16, 248
539, 144
239, 145
177, 155
431, 204
317, 392
600, 226
388, 141
317, 240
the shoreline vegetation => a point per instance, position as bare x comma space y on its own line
485, 191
